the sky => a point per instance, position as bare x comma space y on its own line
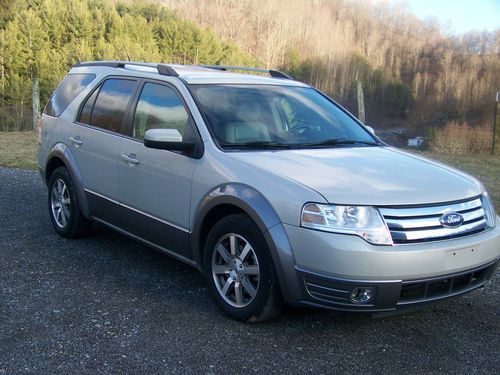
464, 15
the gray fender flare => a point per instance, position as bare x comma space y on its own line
63, 152
254, 204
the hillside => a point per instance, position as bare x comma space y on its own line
411, 71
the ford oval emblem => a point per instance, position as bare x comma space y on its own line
451, 219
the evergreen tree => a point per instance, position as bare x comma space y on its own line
43, 38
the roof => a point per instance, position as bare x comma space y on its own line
191, 74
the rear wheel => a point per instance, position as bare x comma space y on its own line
64, 210
239, 270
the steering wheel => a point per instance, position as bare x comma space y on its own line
298, 130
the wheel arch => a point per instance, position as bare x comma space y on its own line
228, 199
60, 155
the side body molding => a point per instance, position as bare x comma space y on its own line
254, 204
63, 153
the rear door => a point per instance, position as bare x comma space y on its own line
155, 185
96, 139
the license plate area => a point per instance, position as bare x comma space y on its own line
465, 257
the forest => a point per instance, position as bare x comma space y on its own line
408, 68
413, 74
42, 39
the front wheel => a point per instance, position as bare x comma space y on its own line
239, 270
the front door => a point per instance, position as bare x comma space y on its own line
155, 185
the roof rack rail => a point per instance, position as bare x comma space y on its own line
271, 72
166, 70
111, 64
162, 69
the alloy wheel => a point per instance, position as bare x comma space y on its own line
235, 269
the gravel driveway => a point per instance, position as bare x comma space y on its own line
106, 304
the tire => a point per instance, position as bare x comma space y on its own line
64, 211
242, 281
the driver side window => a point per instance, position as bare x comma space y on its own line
159, 107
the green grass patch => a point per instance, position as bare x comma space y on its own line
18, 149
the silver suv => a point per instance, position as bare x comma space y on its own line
265, 184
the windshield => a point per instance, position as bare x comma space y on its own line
274, 117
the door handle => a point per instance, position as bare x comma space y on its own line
76, 141
130, 158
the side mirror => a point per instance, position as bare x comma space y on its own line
370, 129
167, 139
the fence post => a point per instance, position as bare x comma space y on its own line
494, 126
35, 100
361, 103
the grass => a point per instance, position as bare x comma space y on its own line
18, 149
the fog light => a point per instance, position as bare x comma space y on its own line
361, 295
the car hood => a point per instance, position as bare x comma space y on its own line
368, 175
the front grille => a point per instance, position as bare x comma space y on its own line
430, 289
421, 224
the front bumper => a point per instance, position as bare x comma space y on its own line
328, 266
389, 296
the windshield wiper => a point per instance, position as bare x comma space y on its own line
336, 142
265, 145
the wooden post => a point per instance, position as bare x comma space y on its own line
35, 100
494, 126
361, 103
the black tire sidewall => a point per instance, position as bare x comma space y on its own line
244, 226
72, 225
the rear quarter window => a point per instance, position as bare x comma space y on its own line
66, 92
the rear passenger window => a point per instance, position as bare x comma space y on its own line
70, 87
87, 108
107, 106
159, 107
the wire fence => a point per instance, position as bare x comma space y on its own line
16, 118
440, 133
452, 138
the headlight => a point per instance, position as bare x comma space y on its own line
363, 221
491, 215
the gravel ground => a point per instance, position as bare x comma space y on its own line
106, 304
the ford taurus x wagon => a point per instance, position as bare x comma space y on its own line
265, 184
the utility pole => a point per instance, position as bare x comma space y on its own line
494, 125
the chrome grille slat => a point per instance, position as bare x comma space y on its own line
431, 210
420, 224
410, 223
437, 233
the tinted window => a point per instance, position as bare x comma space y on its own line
110, 105
87, 108
70, 87
159, 107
